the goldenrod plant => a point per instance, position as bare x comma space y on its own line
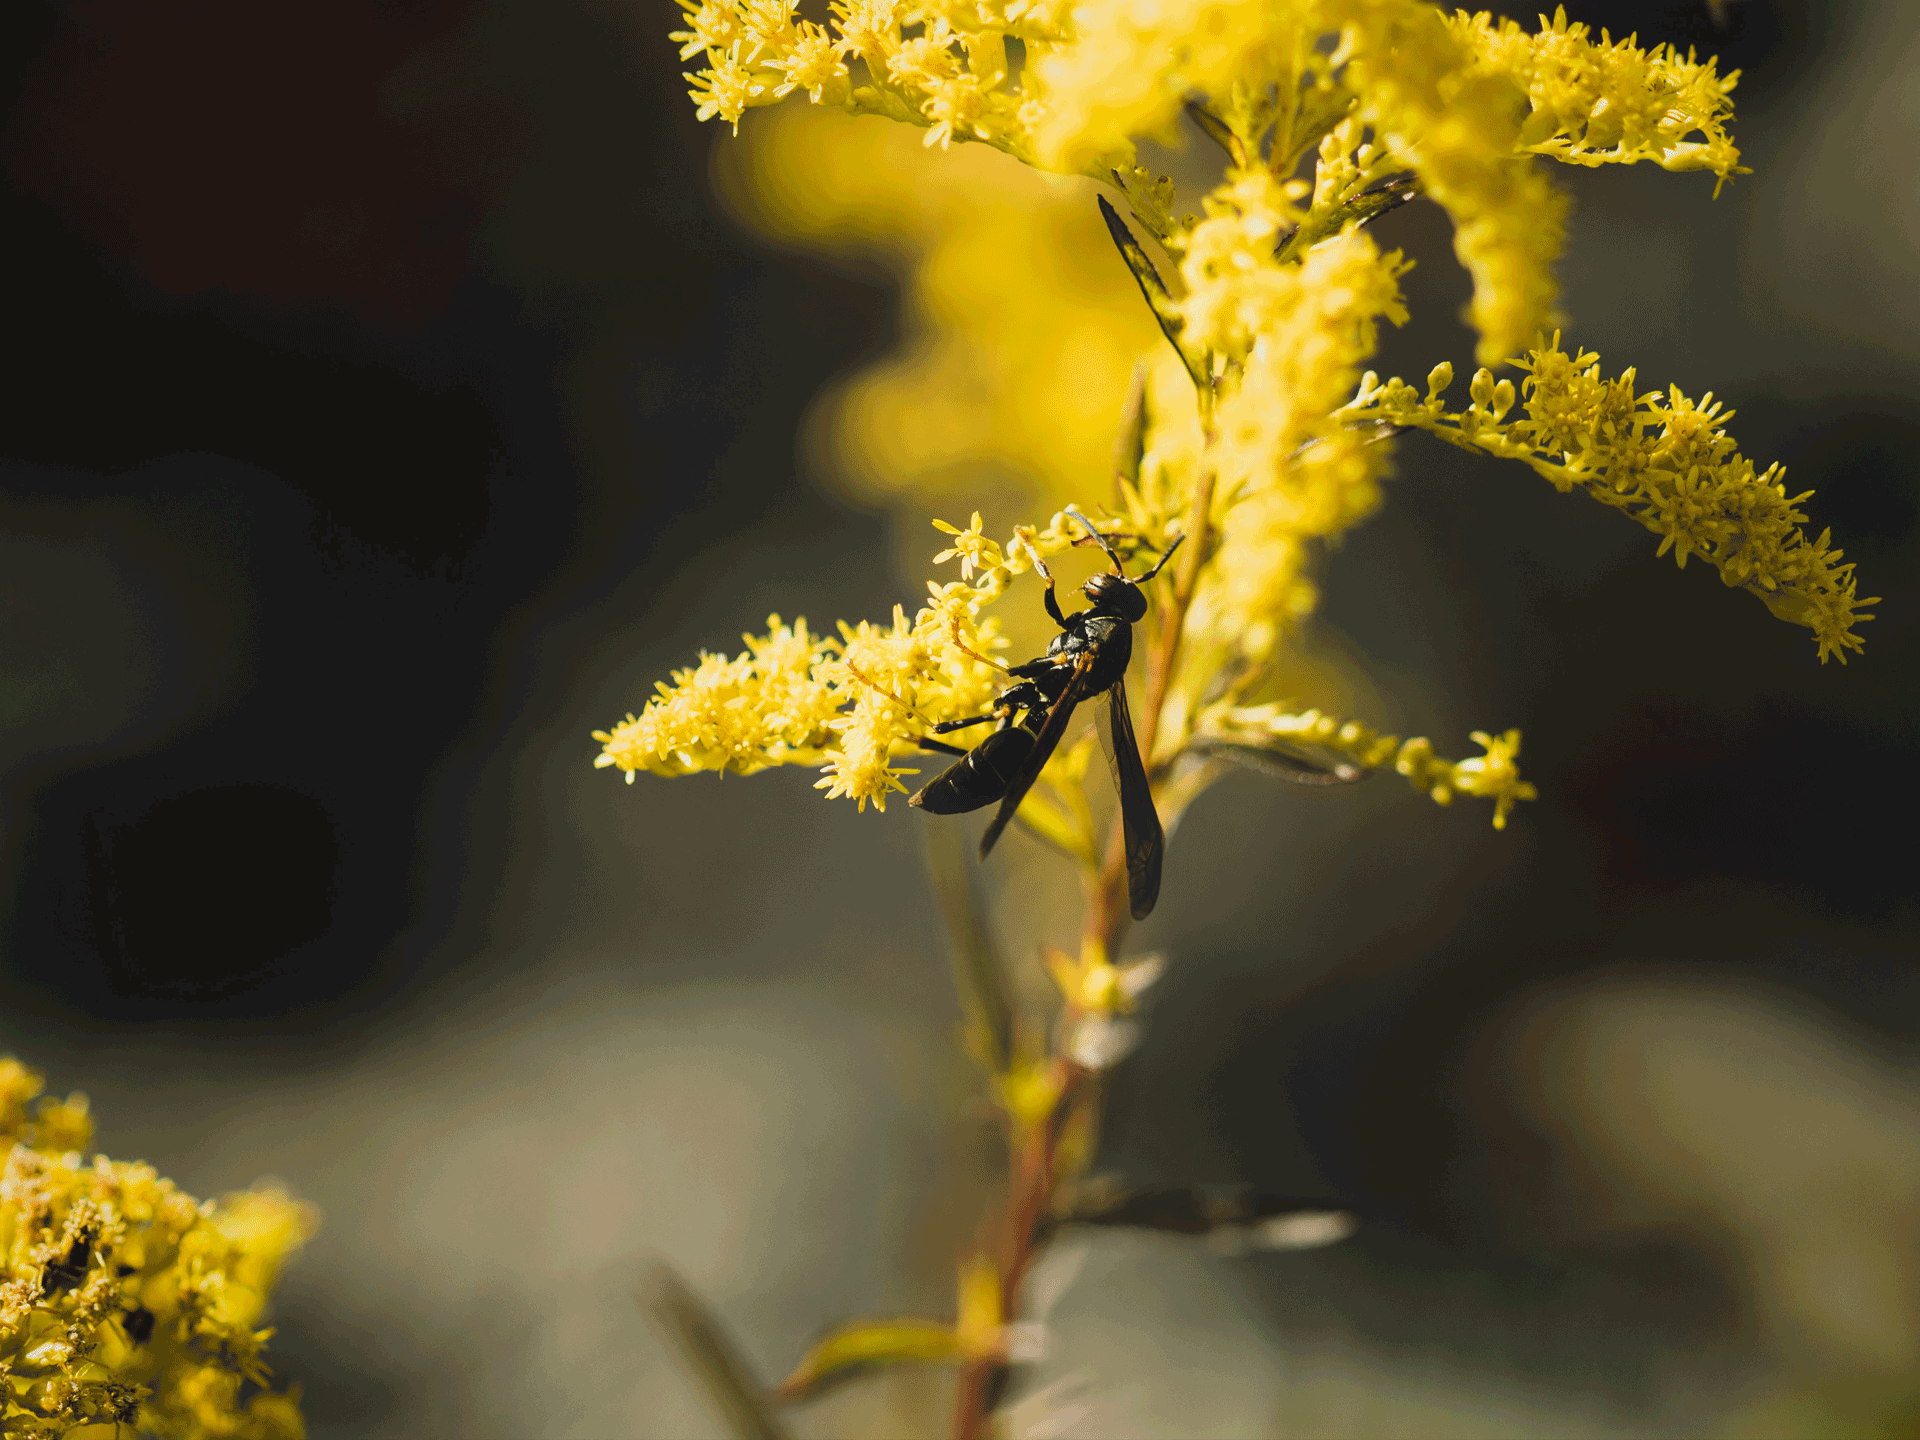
129, 1307
1252, 440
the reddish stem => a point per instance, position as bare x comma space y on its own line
1108, 915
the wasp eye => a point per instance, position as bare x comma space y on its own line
1118, 595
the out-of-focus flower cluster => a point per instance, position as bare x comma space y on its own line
1018, 326
125, 1301
1660, 458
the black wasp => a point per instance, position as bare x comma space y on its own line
1088, 658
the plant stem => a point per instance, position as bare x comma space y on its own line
1026, 1205
1108, 915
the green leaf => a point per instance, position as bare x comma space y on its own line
693, 1331
1277, 761
860, 1344
1158, 298
979, 974
1376, 200
1218, 131
1053, 824
1359, 210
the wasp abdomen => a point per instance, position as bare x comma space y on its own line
981, 776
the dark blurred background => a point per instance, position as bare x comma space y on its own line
387, 405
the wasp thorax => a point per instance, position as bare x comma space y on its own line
1117, 595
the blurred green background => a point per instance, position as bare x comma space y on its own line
388, 404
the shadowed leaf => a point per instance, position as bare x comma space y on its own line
861, 1344
1218, 131
693, 1332
1278, 762
978, 973
1159, 300
1235, 1217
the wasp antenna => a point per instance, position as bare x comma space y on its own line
1165, 556
1095, 534
1033, 554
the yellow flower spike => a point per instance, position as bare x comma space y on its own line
712, 25
849, 706
1492, 776
1666, 463
1609, 102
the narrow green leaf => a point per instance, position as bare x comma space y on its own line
860, 1344
1362, 209
1218, 131
979, 975
1278, 762
1057, 827
1158, 298
1376, 200
694, 1333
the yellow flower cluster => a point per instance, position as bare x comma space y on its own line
1271, 299
1662, 459
1287, 340
1491, 776
1460, 103
850, 704
125, 1301
944, 67
1278, 293
1611, 102
765, 707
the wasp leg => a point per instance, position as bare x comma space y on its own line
947, 727
1053, 605
938, 747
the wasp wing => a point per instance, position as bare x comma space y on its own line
1043, 747
1146, 842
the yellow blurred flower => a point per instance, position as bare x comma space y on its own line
129, 1302
1018, 328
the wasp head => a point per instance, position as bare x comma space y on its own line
1116, 595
